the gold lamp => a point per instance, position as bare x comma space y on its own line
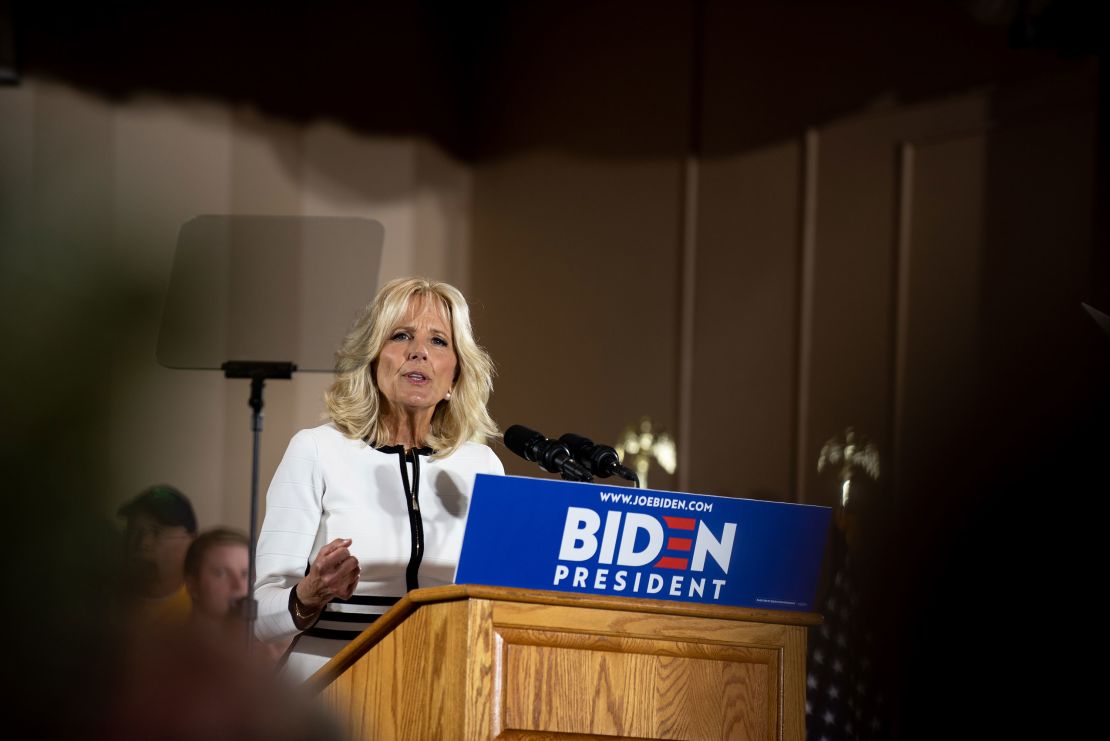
646, 442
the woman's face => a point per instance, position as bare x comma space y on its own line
416, 367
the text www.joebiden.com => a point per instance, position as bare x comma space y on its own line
645, 500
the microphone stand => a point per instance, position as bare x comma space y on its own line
257, 372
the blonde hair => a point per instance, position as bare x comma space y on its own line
354, 402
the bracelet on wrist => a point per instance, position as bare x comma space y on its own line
301, 612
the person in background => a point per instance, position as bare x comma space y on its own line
161, 526
197, 680
217, 568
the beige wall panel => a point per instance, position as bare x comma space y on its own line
267, 164
939, 287
72, 153
575, 287
1000, 220
746, 314
584, 123
348, 174
1039, 244
172, 162
853, 300
442, 201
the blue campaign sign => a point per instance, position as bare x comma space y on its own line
616, 541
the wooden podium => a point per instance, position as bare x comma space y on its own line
474, 662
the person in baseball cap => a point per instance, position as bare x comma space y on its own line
161, 525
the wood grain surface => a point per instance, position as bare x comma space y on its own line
577, 683
487, 662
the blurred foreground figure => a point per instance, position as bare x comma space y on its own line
180, 685
161, 526
197, 680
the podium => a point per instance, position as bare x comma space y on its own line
480, 662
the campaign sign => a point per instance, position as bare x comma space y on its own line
616, 541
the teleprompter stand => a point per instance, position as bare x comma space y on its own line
257, 372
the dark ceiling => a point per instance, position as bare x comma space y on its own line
454, 71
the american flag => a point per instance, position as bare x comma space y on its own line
842, 700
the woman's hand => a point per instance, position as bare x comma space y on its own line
333, 574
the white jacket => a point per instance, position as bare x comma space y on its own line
329, 486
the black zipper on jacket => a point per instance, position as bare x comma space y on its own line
416, 522
416, 528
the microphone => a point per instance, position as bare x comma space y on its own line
601, 460
552, 455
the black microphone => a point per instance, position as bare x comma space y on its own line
552, 455
601, 460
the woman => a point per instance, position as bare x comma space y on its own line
373, 503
